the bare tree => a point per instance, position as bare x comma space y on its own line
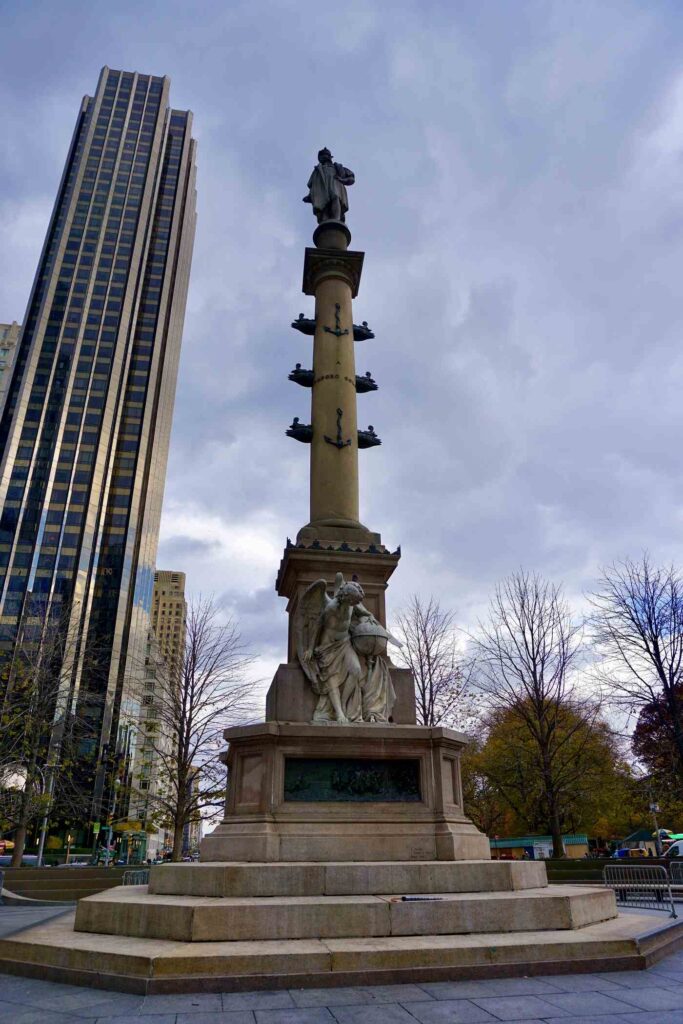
442, 673
39, 726
186, 716
637, 628
526, 653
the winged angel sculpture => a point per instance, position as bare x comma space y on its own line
341, 648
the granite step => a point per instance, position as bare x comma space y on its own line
54, 950
132, 911
349, 878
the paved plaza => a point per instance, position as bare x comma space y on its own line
651, 996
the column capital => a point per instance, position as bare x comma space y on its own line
320, 264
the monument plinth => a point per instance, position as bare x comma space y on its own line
302, 792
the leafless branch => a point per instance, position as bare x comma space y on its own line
441, 671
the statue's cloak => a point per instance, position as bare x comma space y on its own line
322, 189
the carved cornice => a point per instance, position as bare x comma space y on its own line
372, 563
370, 549
323, 263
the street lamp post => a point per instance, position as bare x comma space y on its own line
69, 841
110, 828
50, 770
654, 808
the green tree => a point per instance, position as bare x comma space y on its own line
483, 800
39, 730
594, 788
527, 652
637, 629
654, 745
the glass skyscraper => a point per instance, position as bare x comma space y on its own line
85, 429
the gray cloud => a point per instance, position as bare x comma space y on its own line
519, 199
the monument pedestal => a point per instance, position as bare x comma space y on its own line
303, 564
291, 698
301, 792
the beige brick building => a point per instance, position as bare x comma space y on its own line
169, 617
9, 336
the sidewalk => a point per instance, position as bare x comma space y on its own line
639, 997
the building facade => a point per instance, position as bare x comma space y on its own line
9, 336
154, 735
85, 430
169, 617
144, 813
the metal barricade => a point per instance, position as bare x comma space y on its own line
138, 877
676, 871
645, 886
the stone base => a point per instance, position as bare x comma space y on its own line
131, 911
56, 952
346, 879
423, 819
290, 697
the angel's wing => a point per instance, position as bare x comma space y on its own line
307, 623
394, 640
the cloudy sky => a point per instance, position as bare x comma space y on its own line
519, 198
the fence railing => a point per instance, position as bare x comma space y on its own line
138, 877
645, 886
676, 872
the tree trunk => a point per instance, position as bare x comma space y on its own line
556, 833
551, 802
19, 846
177, 841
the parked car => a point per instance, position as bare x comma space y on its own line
675, 850
79, 861
29, 860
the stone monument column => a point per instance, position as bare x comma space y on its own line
339, 770
332, 275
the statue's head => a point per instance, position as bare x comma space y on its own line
350, 593
324, 156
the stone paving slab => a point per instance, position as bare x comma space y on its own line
195, 1001
651, 999
608, 1018
162, 1018
584, 982
280, 1000
330, 997
383, 1013
224, 1017
297, 1015
450, 1011
518, 1007
640, 1018
492, 987
600, 1002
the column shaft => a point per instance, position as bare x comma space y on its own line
334, 470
